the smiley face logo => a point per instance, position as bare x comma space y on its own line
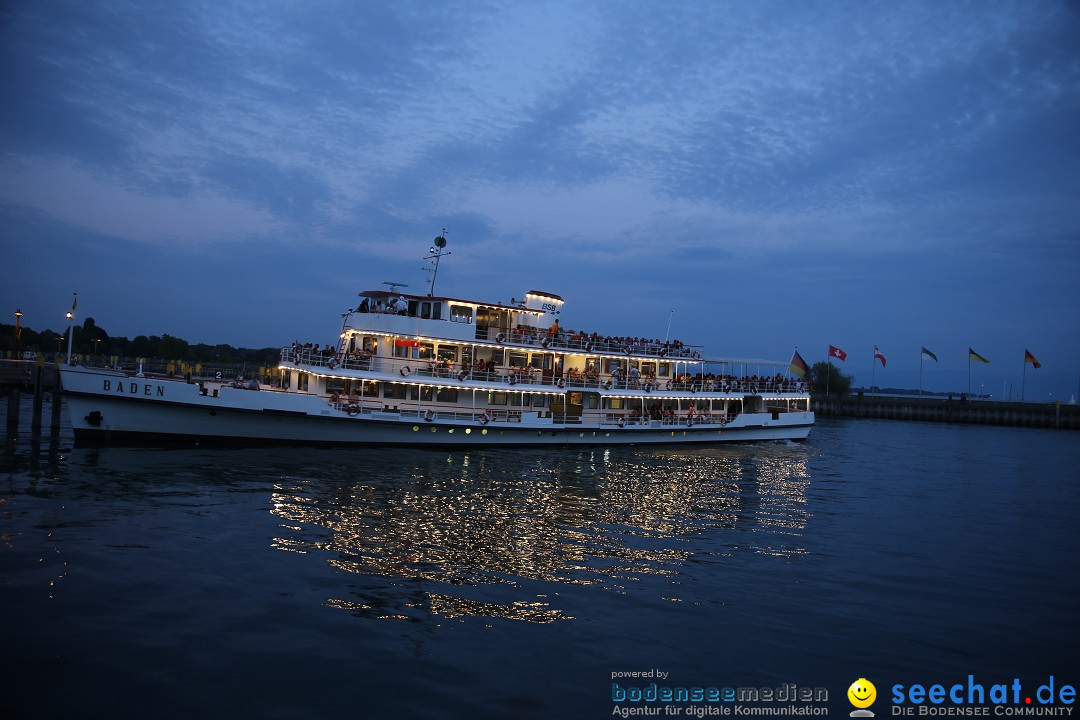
862, 693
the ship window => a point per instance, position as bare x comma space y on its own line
497, 356
436, 310
592, 401
371, 344
665, 369
302, 381
425, 351
448, 353
538, 400
427, 394
392, 390
518, 359
425, 309
496, 398
616, 403
460, 313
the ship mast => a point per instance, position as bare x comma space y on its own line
437, 252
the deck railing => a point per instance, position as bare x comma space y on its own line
578, 342
511, 377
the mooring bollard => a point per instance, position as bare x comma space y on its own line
39, 393
58, 400
13, 414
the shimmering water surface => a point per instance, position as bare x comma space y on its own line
367, 583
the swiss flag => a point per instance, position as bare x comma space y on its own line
837, 353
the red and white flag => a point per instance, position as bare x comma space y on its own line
879, 356
837, 353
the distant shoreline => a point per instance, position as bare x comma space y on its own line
957, 409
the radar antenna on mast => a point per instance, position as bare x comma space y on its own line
394, 286
436, 253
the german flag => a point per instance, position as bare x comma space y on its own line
1029, 358
972, 355
798, 365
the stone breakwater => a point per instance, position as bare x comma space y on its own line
957, 410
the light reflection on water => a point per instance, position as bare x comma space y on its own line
495, 534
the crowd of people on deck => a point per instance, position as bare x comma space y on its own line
590, 376
580, 339
391, 305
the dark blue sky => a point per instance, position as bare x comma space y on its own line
779, 174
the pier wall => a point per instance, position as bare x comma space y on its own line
936, 409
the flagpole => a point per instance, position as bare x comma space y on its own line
828, 375
920, 373
668, 326
1023, 378
969, 371
873, 371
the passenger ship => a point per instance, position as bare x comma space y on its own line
429, 370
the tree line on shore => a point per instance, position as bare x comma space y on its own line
91, 339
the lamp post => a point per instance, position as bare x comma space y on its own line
96, 341
71, 325
18, 333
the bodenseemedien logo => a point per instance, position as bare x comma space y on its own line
862, 694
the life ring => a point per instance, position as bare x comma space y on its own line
485, 417
500, 338
697, 356
668, 385
607, 385
545, 342
588, 346
648, 388
462, 375
331, 364
663, 353
693, 388
405, 371
512, 379
561, 383
429, 415
353, 409
689, 422
627, 349
622, 423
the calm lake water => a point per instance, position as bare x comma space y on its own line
350, 583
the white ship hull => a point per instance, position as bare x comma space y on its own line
114, 407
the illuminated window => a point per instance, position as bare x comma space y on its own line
461, 313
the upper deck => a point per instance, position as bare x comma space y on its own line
531, 324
